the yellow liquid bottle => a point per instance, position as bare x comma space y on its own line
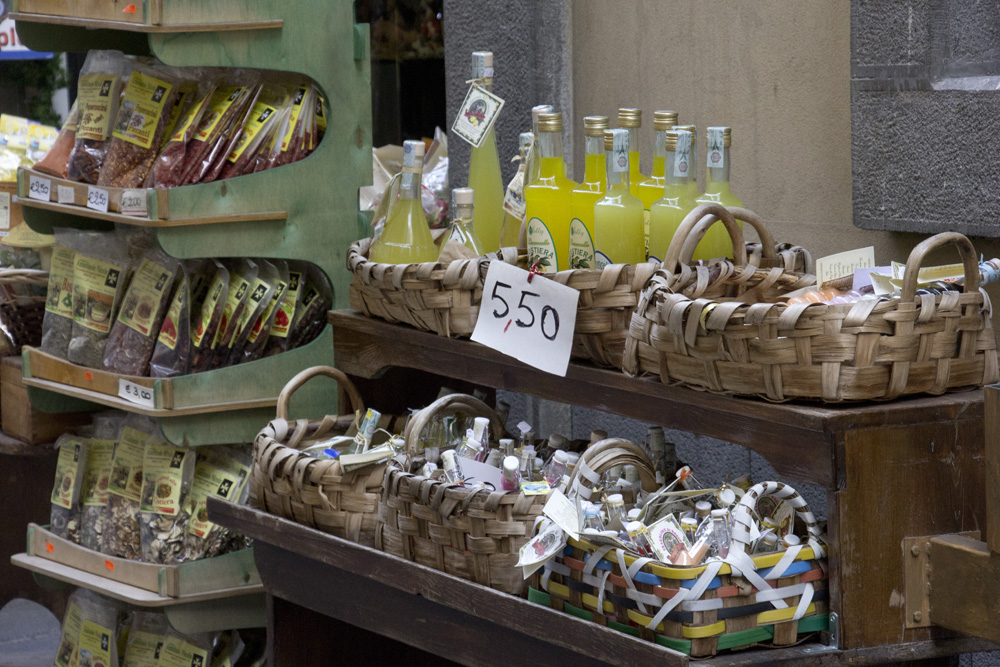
515, 190
462, 228
717, 189
585, 195
667, 213
651, 189
618, 217
547, 200
484, 168
406, 238
631, 120
534, 160
693, 180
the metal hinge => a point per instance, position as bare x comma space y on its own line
832, 637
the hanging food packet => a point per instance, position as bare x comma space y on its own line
233, 135
259, 122
166, 473
222, 472
70, 467
259, 333
94, 495
122, 535
98, 644
173, 344
309, 140
207, 312
70, 637
261, 160
100, 272
262, 293
242, 276
56, 161
228, 103
277, 340
133, 336
145, 639
291, 138
57, 323
187, 92
168, 168
98, 99
310, 317
186, 650
320, 117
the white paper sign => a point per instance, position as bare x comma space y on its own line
97, 199
134, 202
564, 512
532, 321
478, 472
135, 393
39, 188
843, 264
66, 194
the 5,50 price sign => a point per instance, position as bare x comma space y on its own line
532, 321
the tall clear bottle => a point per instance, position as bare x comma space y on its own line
693, 179
618, 218
512, 224
462, 223
535, 163
719, 140
651, 189
406, 238
585, 195
547, 200
484, 168
631, 120
667, 213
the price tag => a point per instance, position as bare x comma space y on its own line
66, 194
97, 199
135, 393
39, 188
134, 202
530, 318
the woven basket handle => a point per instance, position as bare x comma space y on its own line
687, 229
606, 454
296, 382
918, 254
768, 249
470, 405
743, 516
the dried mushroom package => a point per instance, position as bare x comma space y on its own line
133, 336
186, 650
98, 99
56, 160
256, 128
98, 644
242, 276
277, 339
168, 168
261, 294
139, 126
258, 336
57, 323
207, 311
71, 465
122, 535
167, 472
222, 472
66, 654
145, 639
310, 318
100, 272
96, 478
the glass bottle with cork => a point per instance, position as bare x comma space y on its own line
650, 190
462, 223
547, 201
717, 190
406, 238
585, 195
667, 213
484, 167
618, 217
631, 120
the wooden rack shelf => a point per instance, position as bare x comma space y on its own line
98, 24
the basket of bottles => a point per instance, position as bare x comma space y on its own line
698, 571
326, 474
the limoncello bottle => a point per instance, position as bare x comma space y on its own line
693, 180
484, 168
534, 163
618, 233
585, 195
631, 120
667, 213
547, 200
406, 238
717, 184
651, 189
462, 226
511, 223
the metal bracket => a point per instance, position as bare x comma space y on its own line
916, 580
832, 637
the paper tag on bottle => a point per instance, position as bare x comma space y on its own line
716, 145
134, 393
619, 150
843, 264
564, 512
513, 200
66, 194
134, 203
682, 154
39, 188
97, 199
477, 115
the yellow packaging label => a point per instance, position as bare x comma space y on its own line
41, 137
222, 99
95, 96
145, 97
143, 649
237, 289
14, 132
184, 95
98, 472
67, 466
66, 655
73, 119
283, 320
311, 295
321, 113
260, 116
95, 645
300, 95
214, 293
165, 466
126, 465
95, 286
168, 332
256, 296
60, 295
144, 296
178, 653
276, 298
210, 480
182, 127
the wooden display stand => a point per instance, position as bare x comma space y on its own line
20, 419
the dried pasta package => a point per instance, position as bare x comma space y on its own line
167, 472
133, 336
207, 311
57, 323
171, 354
56, 161
168, 168
311, 316
242, 275
258, 336
70, 637
100, 272
186, 650
71, 465
277, 340
256, 128
222, 472
94, 495
122, 535
98, 99
226, 106
145, 639
261, 294
98, 643
139, 127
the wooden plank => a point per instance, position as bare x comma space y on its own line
92, 9
964, 580
97, 24
83, 212
992, 426
226, 571
21, 421
44, 366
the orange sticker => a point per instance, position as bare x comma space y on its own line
130, 9
108, 564
48, 547
88, 376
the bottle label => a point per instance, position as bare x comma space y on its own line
581, 246
716, 154
682, 154
601, 259
619, 151
645, 227
477, 115
513, 200
541, 247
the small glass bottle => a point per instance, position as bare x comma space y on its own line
470, 447
721, 535
767, 543
717, 191
556, 468
535, 163
527, 464
631, 120
462, 229
481, 432
668, 212
690, 527
639, 537
452, 470
592, 517
616, 508
511, 479
406, 238
619, 228
703, 508
790, 540
494, 458
633, 514
585, 195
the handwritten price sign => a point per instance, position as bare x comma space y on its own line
39, 188
529, 318
134, 202
97, 199
135, 393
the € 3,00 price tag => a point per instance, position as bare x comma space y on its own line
135, 393
530, 318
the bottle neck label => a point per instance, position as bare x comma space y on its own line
716, 148
682, 155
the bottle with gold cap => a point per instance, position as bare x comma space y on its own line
535, 162
631, 120
547, 200
462, 226
484, 168
618, 217
512, 224
693, 179
651, 189
667, 213
719, 140
406, 238
585, 195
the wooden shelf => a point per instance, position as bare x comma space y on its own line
83, 212
98, 24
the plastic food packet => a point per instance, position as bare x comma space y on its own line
207, 311
186, 650
98, 98
232, 135
57, 323
72, 620
133, 336
122, 536
227, 649
70, 468
222, 472
320, 117
274, 133
242, 276
267, 283
100, 272
187, 92
94, 495
140, 125
145, 639
56, 161
259, 333
310, 317
277, 339
294, 128
225, 106
168, 168
256, 129
171, 354
98, 644
167, 472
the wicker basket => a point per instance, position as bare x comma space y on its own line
311, 491
21, 314
474, 535
697, 610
